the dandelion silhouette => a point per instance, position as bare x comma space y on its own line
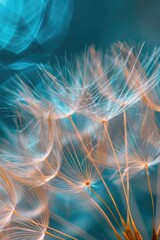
49, 153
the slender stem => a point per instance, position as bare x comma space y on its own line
126, 152
106, 218
150, 190
99, 197
120, 174
96, 168
50, 234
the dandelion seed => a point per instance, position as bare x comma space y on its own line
8, 199
113, 89
27, 230
76, 173
28, 160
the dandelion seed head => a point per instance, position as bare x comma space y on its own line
49, 155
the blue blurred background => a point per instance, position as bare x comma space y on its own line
34, 31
